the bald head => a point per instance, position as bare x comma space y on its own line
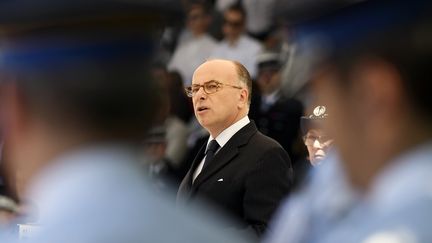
221, 70
226, 96
228, 70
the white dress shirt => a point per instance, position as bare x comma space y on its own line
269, 100
190, 54
99, 195
245, 51
222, 139
260, 14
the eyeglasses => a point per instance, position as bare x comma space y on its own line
209, 87
309, 140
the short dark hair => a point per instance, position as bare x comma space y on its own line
237, 7
203, 5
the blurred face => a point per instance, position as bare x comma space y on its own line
268, 80
197, 20
346, 125
318, 144
233, 25
219, 110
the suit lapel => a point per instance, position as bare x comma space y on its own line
186, 184
197, 160
226, 154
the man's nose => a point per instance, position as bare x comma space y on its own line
317, 144
200, 94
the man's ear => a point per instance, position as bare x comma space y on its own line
244, 97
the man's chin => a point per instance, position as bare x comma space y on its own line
317, 160
204, 123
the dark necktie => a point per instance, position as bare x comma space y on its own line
212, 147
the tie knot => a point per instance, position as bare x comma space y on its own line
212, 146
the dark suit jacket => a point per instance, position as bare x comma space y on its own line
256, 173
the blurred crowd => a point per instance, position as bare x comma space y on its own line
244, 31
336, 103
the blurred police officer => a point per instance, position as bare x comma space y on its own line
276, 115
377, 84
77, 100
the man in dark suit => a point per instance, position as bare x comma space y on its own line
240, 170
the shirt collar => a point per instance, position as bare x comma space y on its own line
226, 134
237, 43
272, 97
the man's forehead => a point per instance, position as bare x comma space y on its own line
221, 70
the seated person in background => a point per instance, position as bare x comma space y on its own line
315, 139
276, 115
317, 145
166, 143
193, 50
237, 45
